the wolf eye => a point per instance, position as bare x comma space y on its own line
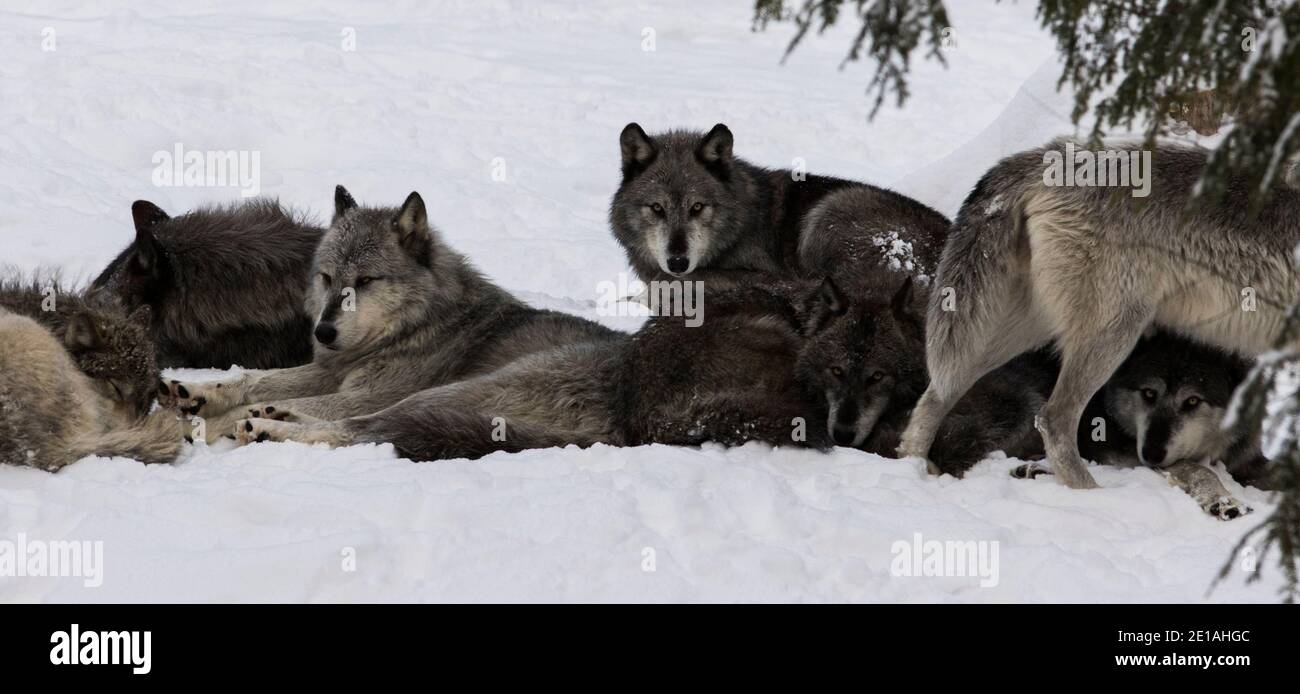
878, 376
657, 208
324, 277
363, 281
1191, 403
697, 208
1149, 394
837, 371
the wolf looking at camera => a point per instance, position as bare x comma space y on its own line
395, 311
688, 208
77, 380
1090, 269
225, 283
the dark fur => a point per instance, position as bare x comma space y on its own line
226, 283
1178, 365
753, 219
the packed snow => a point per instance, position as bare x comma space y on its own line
505, 116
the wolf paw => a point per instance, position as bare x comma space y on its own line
1227, 508
257, 430
197, 398
1029, 471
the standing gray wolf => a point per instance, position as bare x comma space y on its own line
688, 208
1027, 264
395, 311
730, 380
77, 380
226, 283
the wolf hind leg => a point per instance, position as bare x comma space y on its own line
963, 346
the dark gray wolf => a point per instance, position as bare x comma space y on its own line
77, 378
687, 207
866, 359
730, 380
1090, 269
394, 311
226, 283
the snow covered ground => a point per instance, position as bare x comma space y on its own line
505, 114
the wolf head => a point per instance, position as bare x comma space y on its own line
867, 358
684, 199
1170, 395
116, 351
374, 273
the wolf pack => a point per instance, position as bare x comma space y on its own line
1060, 324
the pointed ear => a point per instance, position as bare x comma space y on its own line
147, 252
821, 307
638, 150
82, 333
342, 201
901, 304
412, 228
831, 297
714, 150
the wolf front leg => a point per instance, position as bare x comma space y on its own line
210, 398
1204, 486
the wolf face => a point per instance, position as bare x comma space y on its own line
372, 275
116, 351
1170, 396
682, 201
866, 358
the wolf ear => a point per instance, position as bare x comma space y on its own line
822, 306
342, 201
412, 228
146, 251
714, 149
82, 333
638, 150
901, 304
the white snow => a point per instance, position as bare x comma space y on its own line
505, 116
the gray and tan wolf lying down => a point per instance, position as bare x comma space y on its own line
395, 311
1089, 270
729, 381
77, 378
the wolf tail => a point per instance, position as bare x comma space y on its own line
984, 268
155, 439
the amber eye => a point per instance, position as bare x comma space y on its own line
657, 209
878, 376
697, 208
1149, 394
837, 371
1191, 403
363, 281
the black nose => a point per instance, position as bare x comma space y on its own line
325, 333
1153, 454
678, 263
843, 436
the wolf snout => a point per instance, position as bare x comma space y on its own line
678, 264
1154, 455
843, 436
326, 333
